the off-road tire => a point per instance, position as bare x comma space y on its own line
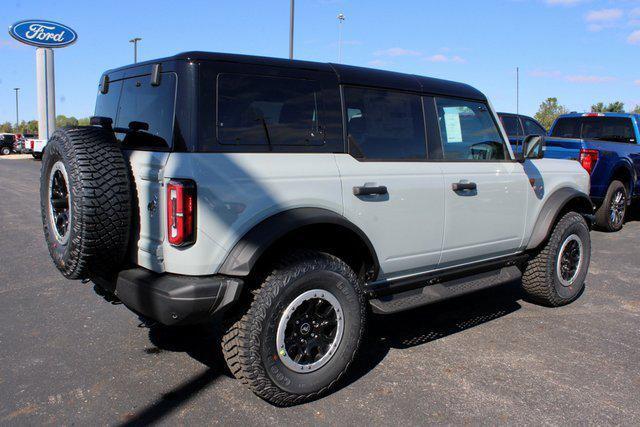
99, 205
540, 280
603, 217
249, 346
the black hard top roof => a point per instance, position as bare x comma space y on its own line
346, 74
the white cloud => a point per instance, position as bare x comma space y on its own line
545, 74
604, 18
563, 2
634, 38
604, 15
588, 79
444, 58
571, 78
637, 82
437, 58
397, 51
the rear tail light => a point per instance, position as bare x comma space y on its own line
181, 212
31, 142
593, 115
588, 159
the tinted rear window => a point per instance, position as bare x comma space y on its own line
142, 114
385, 125
616, 129
257, 110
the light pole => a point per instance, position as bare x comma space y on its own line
340, 21
291, 30
17, 117
135, 41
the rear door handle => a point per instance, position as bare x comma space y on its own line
368, 191
461, 186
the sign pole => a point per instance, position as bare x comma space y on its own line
46, 93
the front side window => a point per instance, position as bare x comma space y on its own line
145, 113
468, 131
511, 125
533, 128
384, 125
258, 110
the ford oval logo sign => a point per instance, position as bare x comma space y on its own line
43, 33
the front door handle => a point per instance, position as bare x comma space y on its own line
461, 186
368, 191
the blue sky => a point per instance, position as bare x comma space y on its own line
581, 51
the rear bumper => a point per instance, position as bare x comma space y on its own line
173, 299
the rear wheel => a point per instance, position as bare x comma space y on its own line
301, 331
610, 216
5, 151
555, 274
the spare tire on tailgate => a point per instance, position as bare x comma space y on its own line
85, 201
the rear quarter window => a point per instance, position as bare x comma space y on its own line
269, 111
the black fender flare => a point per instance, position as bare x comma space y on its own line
551, 209
247, 251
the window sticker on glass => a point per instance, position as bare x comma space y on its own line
452, 124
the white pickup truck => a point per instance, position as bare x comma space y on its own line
35, 147
290, 199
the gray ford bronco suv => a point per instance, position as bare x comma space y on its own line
288, 200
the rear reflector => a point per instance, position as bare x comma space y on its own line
181, 212
588, 159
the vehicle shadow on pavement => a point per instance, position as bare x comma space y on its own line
200, 343
402, 330
429, 323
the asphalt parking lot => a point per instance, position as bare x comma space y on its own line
67, 356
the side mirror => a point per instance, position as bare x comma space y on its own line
532, 148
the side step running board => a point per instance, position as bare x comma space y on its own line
431, 293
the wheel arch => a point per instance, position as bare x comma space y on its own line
625, 173
315, 227
561, 201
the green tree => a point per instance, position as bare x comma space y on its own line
32, 126
6, 127
613, 107
636, 110
549, 110
62, 121
83, 121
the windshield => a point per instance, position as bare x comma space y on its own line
616, 129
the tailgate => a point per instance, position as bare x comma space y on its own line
147, 233
563, 148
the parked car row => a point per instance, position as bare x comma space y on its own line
21, 143
605, 144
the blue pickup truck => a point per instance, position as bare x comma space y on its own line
606, 144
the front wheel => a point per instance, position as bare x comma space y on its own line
555, 274
610, 216
5, 151
301, 332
